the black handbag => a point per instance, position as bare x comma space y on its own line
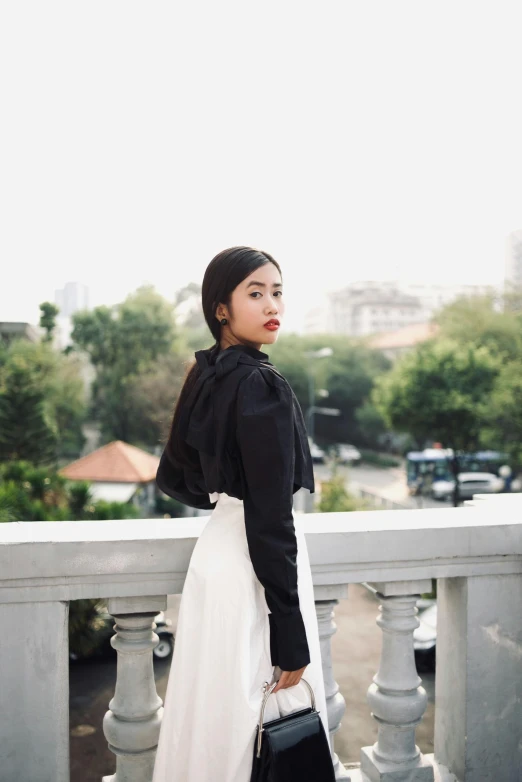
292, 748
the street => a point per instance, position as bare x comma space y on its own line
389, 483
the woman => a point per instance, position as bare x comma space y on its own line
238, 446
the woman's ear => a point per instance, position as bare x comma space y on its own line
221, 312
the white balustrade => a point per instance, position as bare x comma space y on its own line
335, 702
133, 722
396, 698
475, 553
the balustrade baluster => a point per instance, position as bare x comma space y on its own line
397, 700
132, 724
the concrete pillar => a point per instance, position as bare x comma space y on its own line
395, 697
478, 684
34, 692
335, 703
132, 724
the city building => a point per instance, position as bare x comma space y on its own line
363, 308
513, 263
116, 472
11, 330
72, 298
376, 307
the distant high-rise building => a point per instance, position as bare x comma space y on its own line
73, 297
513, 266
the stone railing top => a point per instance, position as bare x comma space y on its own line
66, 560
352, 522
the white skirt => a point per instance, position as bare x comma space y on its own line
221, 657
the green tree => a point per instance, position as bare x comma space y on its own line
26, 431
59, 379
438, 392
48, 319
479, 320
128, 337
348, 375
503, 412
152, 396
128, 344
371, 423
352, 373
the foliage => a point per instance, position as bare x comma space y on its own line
370, 422
336, 498
348, 375
135, 350
87, 626
439, 392
29, 493
497, 324
351, 375
478, 320
48, 319
503, 413
26, 429
138, 408
168, 506
58, 379
128, 337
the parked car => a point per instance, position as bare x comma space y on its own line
318, 455
470, 483
347, 454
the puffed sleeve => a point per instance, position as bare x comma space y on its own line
182, 484
265, 437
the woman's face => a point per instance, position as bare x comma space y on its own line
256, 301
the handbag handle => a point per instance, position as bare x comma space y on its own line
267, 689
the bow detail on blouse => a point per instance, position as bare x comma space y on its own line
197, 414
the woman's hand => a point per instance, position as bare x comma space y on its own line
288, 679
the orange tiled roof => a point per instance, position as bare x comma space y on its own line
405, 337
117, 462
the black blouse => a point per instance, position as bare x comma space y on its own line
249, 438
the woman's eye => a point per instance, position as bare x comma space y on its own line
255, 293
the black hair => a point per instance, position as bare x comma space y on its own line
222, 276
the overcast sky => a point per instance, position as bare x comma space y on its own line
352, 140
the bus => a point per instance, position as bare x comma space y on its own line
436, 462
